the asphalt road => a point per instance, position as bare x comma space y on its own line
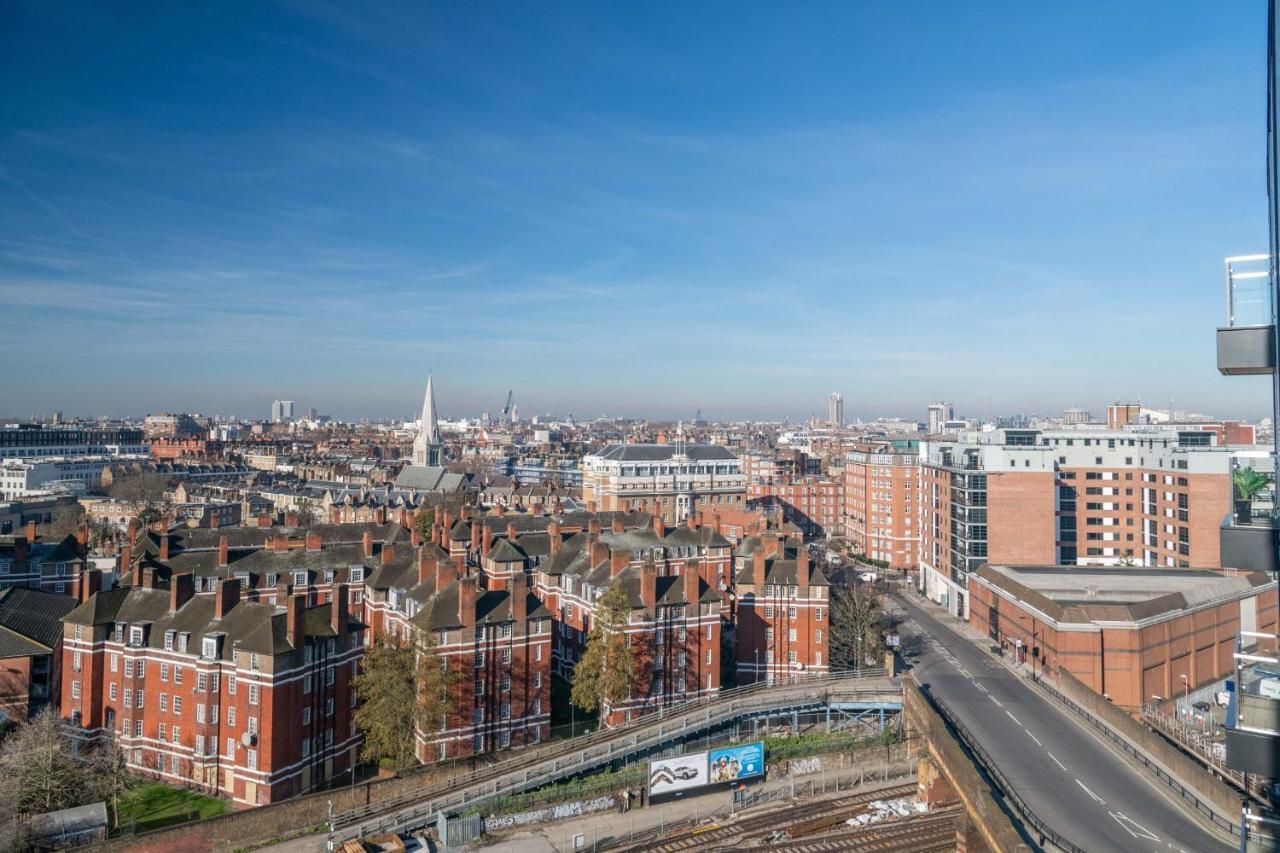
1072, 781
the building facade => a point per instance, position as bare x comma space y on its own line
881, 503
680, 479
783, 608
247, 700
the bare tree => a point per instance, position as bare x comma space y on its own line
39, 770
856, 622
146, 493
66, 518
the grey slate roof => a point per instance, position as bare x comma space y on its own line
661, 452
31, 617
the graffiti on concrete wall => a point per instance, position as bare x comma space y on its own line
561, 811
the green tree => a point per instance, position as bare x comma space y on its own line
856, 622
422, 521
1248, 482
146, 493
401, 687
607, 670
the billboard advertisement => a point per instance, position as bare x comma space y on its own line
735, 762
678, 773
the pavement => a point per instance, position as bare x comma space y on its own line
1069, 777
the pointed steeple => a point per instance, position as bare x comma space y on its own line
426, 447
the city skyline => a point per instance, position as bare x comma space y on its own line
294, 200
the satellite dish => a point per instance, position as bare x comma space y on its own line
248, 738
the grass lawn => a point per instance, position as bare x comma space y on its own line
153, 805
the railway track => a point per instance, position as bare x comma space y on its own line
730, 836
925, 833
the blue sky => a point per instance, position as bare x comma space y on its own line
631, 208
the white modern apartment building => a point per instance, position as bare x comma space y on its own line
24, 478
680, 479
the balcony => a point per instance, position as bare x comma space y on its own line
1248, 536
1246, 345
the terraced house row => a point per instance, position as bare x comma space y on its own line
225, 657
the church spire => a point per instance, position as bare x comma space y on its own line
426, 447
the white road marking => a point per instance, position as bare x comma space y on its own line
980, 687
1129, 827
1056, 761
1012, 717
1087, 791
1034, 738
999, 704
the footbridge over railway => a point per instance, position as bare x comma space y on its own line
841, 698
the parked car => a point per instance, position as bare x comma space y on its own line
867, 577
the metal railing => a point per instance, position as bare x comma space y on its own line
1184, 793
548, 763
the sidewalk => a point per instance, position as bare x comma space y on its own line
607, 827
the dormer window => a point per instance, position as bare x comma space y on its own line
118, 634
136, 635
300, 578
168, 641
209, 648
183, 640
328, 575
243, 577
272, 578
356, 574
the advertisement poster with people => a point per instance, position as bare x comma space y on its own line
735, 762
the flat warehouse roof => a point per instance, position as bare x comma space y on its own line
1123, 594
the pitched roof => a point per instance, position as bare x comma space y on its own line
34, 615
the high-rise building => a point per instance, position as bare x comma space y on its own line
939, 414
835, 409
281, 411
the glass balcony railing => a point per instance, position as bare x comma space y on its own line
1249, 292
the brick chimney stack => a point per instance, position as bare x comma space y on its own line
338, 610
511, 532
553, 534
426, 567
164, 546
757, 567
691, 580
388, 554
802, 566
591, 507
659, 527
692, 521
90, 582
519, 599
467, 603
486, 540
380, 515
593, 526
296, 619
226, 596
649, 586
223, 551
475, 537
31, 531
599, 553
616, 526
181, 589
314, 543
446, 572
618, 560
415, 538
132, 532
213, 521
367, 541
